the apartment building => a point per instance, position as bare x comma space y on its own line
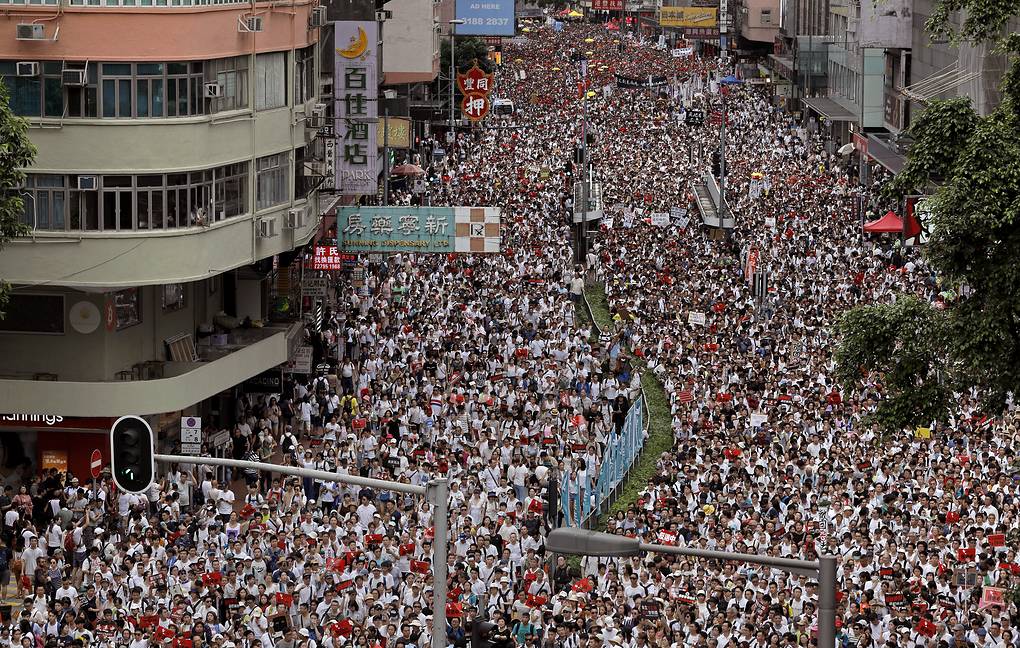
173, 183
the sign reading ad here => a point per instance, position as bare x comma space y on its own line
485, 17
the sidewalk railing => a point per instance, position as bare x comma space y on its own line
582, 504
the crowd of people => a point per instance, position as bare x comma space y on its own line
477, 369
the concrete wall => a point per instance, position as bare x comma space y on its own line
110, 146
146, 258
885, 24
752, 28
409, 37
132, 33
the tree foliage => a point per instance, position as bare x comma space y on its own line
16, 153
970, 166
469, 49
902, 347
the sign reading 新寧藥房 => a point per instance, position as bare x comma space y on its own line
356, 88
418, 229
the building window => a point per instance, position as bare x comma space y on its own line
271, 181
270, 80
766, 16
128, 303
34, 314
144, 202
173, 297
304, 74
303, 183
232, 77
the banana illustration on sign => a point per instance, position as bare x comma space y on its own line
357, 46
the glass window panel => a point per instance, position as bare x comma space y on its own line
157, 97
25, 98
196, 94
182, 97
59, 198
91, 102
171, 208
142, 209
171, 98
47, 180
149, 69
149, 181
42, 210
90, 208
52, 67
116, 181
124, 98
176, 179
54, 100
117, 69
28, 209
109, 98
109, 210
156, 206
75, 97
177, 68
196, 67
142, 97
125, 210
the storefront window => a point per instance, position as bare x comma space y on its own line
128, 303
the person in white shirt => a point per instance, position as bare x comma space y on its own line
225, 504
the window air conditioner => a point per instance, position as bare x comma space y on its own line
73, 77
31, 31
88, 183
249, 24
295, 219
213, 90
317, 18
317, 118
27, 69
267, 228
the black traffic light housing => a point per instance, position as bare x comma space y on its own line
480, 631
132, 459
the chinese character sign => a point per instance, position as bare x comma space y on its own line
355, 90
485, 17
418, 229
475, 85
607, 5
328, 257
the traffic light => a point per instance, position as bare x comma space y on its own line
131, 454
480, 631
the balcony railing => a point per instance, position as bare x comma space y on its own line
125, 3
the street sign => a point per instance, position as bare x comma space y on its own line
221, 438
193, 449
301, 363
695, 117
96, 463
315, 287
191, 429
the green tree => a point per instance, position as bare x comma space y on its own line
16, 154
970, 166
469, 49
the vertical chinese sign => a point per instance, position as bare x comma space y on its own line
356, 90
475, 85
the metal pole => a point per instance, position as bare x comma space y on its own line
453, 73
826, 601
439, 495
324, 475
792, 565
722, 160
386, 154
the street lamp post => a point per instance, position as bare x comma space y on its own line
567, 540
436, 492
453, 68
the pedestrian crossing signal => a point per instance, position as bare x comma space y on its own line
131, 454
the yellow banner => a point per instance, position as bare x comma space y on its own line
703, 17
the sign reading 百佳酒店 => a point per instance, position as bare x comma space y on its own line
418, 229
485, 17
356, 89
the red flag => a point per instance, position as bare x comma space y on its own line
147, 621
407, 549
966, 554
247, 512
952, 517
284, 599
212, 577
583, 585
162, 633
535, 600
343, 628
997, 539
454, 610
374, 538
421, 566
535, 506
926, 627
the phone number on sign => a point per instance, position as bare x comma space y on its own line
487, 21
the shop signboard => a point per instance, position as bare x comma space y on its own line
356, 89
469, 230
485, 17
267, 382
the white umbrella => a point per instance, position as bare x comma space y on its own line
846, 149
